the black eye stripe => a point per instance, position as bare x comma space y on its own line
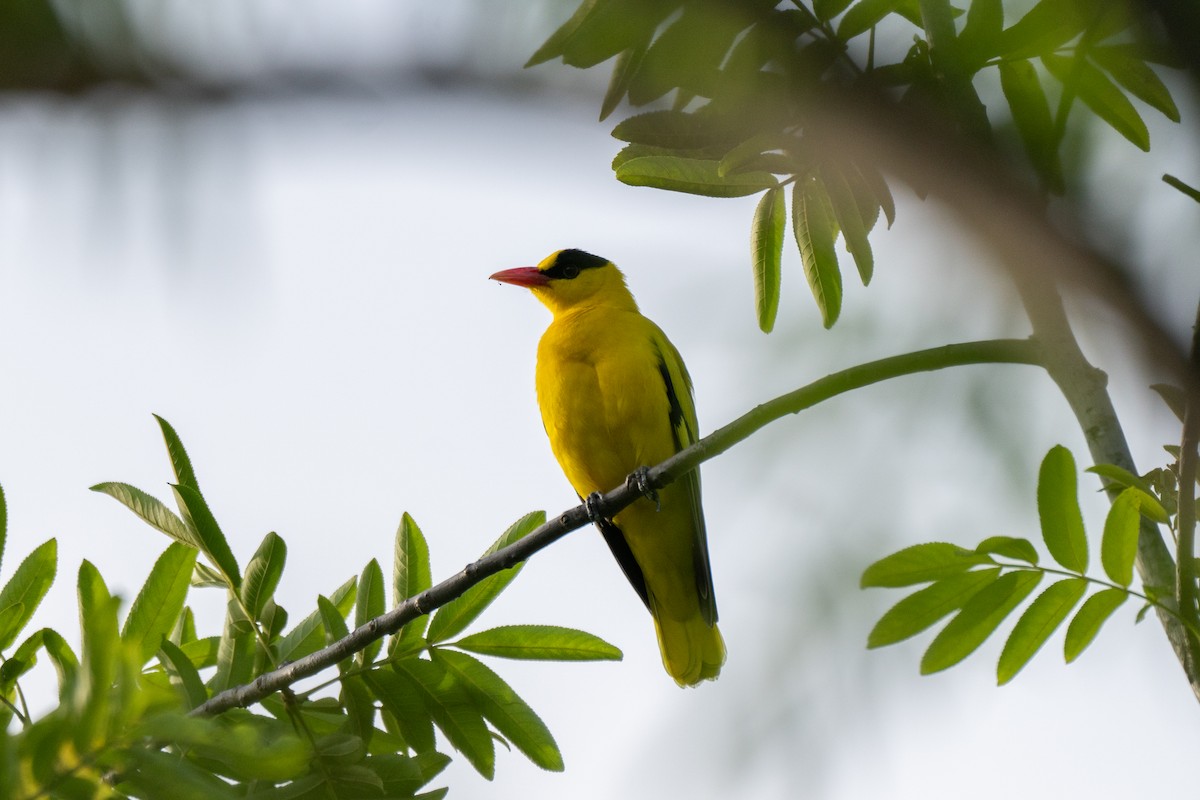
570, 263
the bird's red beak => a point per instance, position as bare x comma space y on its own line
521, 276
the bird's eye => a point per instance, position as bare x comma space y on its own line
570, 272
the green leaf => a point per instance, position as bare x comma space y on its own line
553, 46
813, 227
766, 244
188, 676
180, 463
1086, 624
501, 706
539, 643
849, 219
1191, 192
1047, 26
692, 176
308, 636
623, 72
676, 131
159, 603
403, 775
828, 9
101, 647
1150, 506
923, 608
611, 27
921, 563
1137, 78
1031, 114
369, 604
452, 711
400, 698
332, 619
263, 573
686, 55
157, 775
65, 661
456, 615
762, 149
206, 577
980, 36
1101, 95
1173, 396
11, 624
1058, 510
151, 511
1043, 616
202, 652
1118, 547
877, 186
1009, 547
23, 592
411, 573
235, 653
23, 659
865, 15
981, 615
213, 543
1119, 476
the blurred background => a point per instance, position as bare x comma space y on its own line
272, 223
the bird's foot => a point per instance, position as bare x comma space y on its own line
640, 479
591, 504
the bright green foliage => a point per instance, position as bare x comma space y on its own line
922, 609
814, 228
982, 587
541, 643
767, 244
741, 79
922, 563
1086, 624
1058, 510
124, 705
979, 617
1118, 548
1043, 616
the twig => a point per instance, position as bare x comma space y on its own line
1008, 351
1185, 557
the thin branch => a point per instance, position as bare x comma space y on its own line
1002, 351
1185, 556
1041, 258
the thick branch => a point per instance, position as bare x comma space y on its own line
1005, 351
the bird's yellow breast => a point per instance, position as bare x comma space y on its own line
602, 395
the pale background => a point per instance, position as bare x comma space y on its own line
292, 270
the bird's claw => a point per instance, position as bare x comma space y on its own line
591, 504
640, 479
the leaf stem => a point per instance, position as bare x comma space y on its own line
1193, 628
994, 351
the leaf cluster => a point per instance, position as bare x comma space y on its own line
979, 588
734, 85
123, 725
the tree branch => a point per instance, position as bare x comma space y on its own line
1002, 351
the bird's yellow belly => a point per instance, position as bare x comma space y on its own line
604, 417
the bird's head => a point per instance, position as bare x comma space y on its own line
569, 279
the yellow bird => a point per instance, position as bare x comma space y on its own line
615, 396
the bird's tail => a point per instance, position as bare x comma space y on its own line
692, 650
